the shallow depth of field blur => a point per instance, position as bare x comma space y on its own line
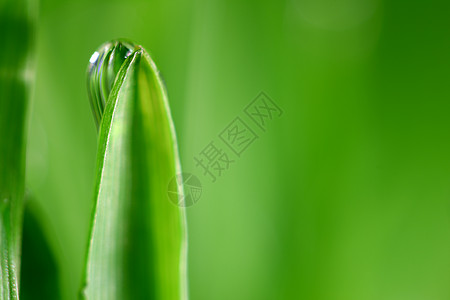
346, 195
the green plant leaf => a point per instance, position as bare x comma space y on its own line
16, 37
39, 270
137, 243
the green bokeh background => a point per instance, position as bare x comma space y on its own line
345, 196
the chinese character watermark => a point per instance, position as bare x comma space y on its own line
213, 161
223, 151
237, 136
262, 110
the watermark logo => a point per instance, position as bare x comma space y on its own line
224, 150
229, 145
192, 189
262, 110
238, 136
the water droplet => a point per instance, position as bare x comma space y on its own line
103, 67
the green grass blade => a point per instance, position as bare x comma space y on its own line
16, 36
39, 271
137, 245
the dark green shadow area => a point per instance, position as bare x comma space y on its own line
39, 269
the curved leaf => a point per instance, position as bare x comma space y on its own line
16, 38
137, 245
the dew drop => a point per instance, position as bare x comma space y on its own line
103, 67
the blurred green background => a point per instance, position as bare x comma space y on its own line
345, 196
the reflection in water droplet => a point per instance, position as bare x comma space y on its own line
94, 57
103, 67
